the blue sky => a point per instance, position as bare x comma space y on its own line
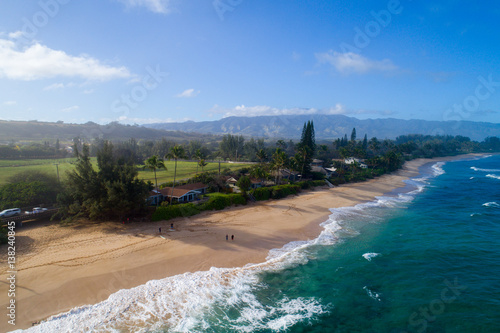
144, 61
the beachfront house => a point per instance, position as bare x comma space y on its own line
356, 161
230, 182
181, 194
317, 163
155, 197
256, 183
290, 175
327, 172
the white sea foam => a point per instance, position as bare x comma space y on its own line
491, 204
372, 294
493, 176
286, 314
369, 256
183, 303
438, 168
485, 170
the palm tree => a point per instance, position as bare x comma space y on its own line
199, 156
154, 163
304, 151
279, 162
202, 164
217, 155
261, 155
258, 172
176, 152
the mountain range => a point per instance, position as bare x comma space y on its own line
332, 127
327, 127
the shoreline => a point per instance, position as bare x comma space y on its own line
60, 268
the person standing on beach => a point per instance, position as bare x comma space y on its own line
232, 237
227, 237
159, 230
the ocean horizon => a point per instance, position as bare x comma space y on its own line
423, 258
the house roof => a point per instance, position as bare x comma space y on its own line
194, 186
318, 169
153, 193
177, 192
230, 180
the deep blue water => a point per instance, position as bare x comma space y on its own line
423, 259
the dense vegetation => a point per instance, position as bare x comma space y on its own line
215, 202
26, 188
114, 191
108, 186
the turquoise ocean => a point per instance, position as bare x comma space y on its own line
425, 258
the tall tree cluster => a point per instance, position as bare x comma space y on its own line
114, 191
306, 148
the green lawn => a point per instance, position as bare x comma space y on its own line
9, 168
185, 170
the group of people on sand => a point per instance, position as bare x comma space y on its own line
172, 228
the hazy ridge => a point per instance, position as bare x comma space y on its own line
332, 126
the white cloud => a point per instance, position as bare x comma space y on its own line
16, 34
355, 63
156, 6
188, 93
88, 91
10, 103
40, 62
263, 110
71, 108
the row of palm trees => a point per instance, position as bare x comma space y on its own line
177, 152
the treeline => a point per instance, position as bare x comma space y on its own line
114, 191
29, 188
33, 150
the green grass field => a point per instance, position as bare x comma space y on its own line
185, 169
8, 168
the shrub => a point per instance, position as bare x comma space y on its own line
275, 192
318, 182
278, 192
173, 211
317, 175
262, 193
238, 199
337, 181
218, 202
304, 185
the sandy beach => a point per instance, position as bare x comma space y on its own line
59, 268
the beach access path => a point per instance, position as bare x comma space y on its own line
59, 268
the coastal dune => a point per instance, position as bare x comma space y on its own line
59, 268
